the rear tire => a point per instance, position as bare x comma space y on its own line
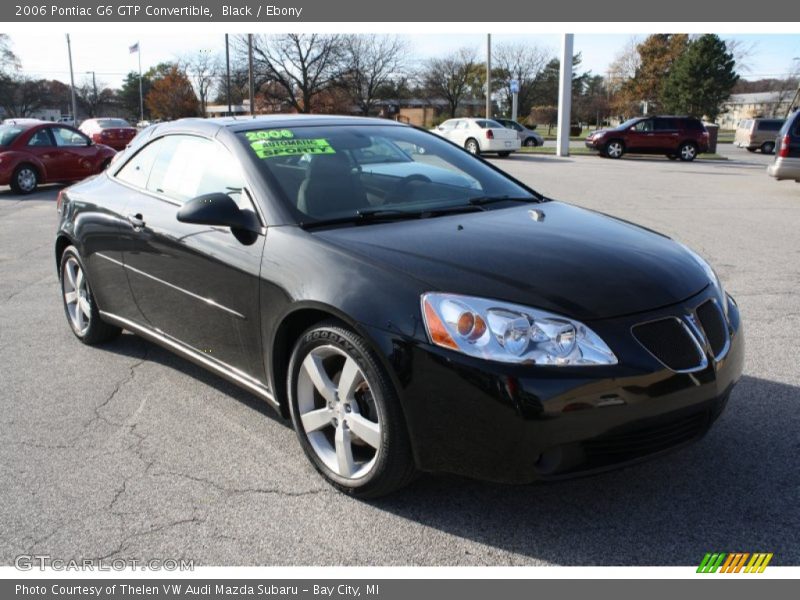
504, 154
25, 180
472, 146
768, 147
346, 413
79, 304
687, 152
614, 149
530, 142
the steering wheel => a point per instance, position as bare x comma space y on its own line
400, 190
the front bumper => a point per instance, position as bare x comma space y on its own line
517, 424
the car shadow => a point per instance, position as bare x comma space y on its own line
735, 490
133, 346
43, 192
525, 157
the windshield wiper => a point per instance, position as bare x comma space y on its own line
379, 215
484, 200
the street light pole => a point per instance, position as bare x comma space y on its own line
488, 75
94, 92
565, 96
72, 84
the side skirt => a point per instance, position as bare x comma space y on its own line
226, 371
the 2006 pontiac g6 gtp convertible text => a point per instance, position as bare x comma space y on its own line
409, 306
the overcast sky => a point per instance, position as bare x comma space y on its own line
770, 55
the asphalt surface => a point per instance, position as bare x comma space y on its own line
127, 451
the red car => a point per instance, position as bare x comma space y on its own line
676, 137
40, 152
116, 133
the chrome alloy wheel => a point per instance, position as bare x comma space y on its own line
614, 149
26, 179
339, 416
688, 152
76, 296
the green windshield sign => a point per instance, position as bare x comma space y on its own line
270, 143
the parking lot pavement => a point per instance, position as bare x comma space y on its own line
128, 451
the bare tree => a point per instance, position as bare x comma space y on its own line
625, 64
371, 62
295, 67
450, 77
524, 63
203, 69
8, 60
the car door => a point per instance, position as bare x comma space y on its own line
640, 137
666, 135
76, 155
42, 146
197, 284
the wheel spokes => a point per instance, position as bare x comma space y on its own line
316, 372
344, 451
366, 430
316, 419
71, 297
85, 307
70, 273
349, 379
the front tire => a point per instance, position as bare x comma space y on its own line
79, 305
346, 413
25, 180
472, 147
530, 142
614, 149
687, 152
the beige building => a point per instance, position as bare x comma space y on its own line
758, 104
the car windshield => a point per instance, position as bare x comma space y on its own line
109, 123
8, 133
629, 123
347, 172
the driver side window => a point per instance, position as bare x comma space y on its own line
643, 126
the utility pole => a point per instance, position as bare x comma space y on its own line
488, 75
565, 96
251, 82
228, 75
72, 84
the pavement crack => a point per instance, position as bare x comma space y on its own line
231, 491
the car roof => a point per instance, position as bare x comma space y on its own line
248, 123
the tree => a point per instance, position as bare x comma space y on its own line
371, 63
203, 69
9, 62
524, 63
657, 54
20, 96
128, 94
172, 96
94, 96
701, 79
449, 77
300, 65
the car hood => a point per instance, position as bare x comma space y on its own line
554, 256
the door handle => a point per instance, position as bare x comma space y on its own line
137, 221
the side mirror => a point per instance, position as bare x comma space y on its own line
219, 210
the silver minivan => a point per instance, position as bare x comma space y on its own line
758, 134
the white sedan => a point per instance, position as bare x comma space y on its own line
479, 135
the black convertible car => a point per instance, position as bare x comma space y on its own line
409, 306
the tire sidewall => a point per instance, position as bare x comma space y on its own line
472, 143
382, 392
608, 146
680, 152
15, 179
94, 317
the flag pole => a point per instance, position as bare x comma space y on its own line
141, 95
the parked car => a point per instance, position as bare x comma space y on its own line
527, 137
786, 164
479, 135
401, 321
677, 137
21, 121
116, 133
757, 134
42, 152
67, 120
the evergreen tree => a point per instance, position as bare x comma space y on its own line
701, 79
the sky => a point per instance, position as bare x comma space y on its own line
770, 55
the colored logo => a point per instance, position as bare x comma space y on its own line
734, 562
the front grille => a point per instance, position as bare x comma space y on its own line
713, 322
671, 342
636, 443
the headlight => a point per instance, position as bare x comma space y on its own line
511, 333
713, 278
